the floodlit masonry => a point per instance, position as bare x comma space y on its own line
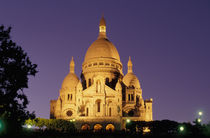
103, 98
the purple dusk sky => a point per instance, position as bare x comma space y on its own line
168, 41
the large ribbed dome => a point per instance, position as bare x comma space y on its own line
102, 48
70, 81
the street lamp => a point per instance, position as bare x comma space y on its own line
128, 120
199, 120
29, 126
200, 113
181, 128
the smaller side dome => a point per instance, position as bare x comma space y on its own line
70, 81
131, 80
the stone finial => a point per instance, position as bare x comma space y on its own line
72, 65
130, 65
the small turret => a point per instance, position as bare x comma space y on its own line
72, 65
130, 65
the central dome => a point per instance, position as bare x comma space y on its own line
102, 48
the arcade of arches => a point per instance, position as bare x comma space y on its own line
98, 127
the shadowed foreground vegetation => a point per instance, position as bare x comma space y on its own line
57, 128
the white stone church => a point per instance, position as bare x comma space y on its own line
103, 98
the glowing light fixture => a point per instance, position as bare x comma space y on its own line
29, 126
200, 113
146, 130
128, 120
72, 120
199, 120
181, 128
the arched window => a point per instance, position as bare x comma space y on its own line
129, 97
98, 86
89, 82
132, 97
137, 100
86, 111
61, 103
68, 97
107, 81
71, 97
98, 106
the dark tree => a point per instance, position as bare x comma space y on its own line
15, 69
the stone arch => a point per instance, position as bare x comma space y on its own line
131, 113
110, 127
85, 127
97, 127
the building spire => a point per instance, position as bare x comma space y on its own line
72, 64
130, 65
102, 28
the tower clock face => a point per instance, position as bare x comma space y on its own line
69, 113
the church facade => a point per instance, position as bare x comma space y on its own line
103, 98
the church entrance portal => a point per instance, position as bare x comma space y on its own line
110, 127
85, 127
97, 127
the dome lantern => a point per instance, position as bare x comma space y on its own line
102, 28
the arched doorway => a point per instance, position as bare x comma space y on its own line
97, 127
110, 127
85, 127
131, 113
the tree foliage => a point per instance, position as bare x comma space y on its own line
15, 69
169, 128
52, 124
